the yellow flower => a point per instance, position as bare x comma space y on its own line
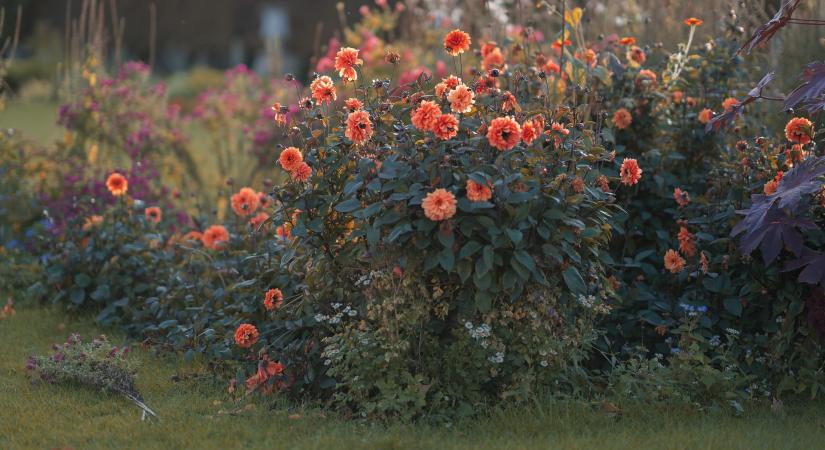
573, 17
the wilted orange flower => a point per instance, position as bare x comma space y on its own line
693, 22
799, 130
259, 219
729, 103
284, 231
508, 102
677, 97
461, 99
446, 126
682, 197
280, 113
604, 183
504, 133
673, 262
246, 201
273, 299
646, 78
456, 42
439, 205
630, 172
345, 61
577, 183
425, 116
446, 85
627, 40
152, 214
215, 237
352, 104
636, 56
323, 90
559, 128
770, 186
494, 59
477, 192
290, 158
246, 335
266, 370
687, 243
705, 115
622, 118
703, 262
193, 235
92, 221
117, 184
359, 127
302, 172
529, 132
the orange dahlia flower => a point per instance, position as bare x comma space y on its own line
682, 197
477, 192
258, 220
302, 172
117, 184
673, 262
153, 214
352, 104
687, 242
461, 99
439, 205
504, 133
359, 127
246, 335
799, 130
273, 299
345, 61
636, 56
456, 42
446, 85
245, 202
290, 158
446, 126
215, 237
425, 116
629, 40
705, 115
529, 132
622, 118
729, 103
323, 90
630, 172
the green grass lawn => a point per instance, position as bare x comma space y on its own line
200, 414
37, 120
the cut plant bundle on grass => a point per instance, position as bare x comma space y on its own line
97, 364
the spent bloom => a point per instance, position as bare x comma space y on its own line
687, 242
682, 197
439, 205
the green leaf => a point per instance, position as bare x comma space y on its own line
447, 259
82, 280
348, 205
525, 259
484, 301
464, 269
77, 296
487, 255
398, 230
573, 280
514, 235
733, 306
469, 249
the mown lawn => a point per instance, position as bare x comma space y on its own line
200, 414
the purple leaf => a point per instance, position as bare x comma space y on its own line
766, 31
814, 83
